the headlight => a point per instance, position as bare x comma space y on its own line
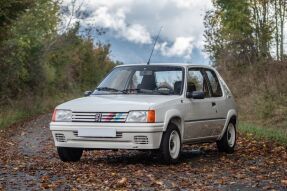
62, 115
141, 116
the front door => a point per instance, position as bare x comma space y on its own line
199, 112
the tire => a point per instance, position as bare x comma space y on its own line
67, 154
171, 145
228, 141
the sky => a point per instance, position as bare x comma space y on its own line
132, 25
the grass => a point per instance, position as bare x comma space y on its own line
269, 133
12, 116
24, 109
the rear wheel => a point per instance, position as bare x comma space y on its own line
67, 154
171, 144
228, 141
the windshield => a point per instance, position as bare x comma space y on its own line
164, 80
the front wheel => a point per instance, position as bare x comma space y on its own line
171, 144
67, 154
228, 140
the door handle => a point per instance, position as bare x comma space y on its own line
213, 104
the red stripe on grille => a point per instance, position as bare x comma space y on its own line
109, 117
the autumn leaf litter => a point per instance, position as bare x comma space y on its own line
29, 161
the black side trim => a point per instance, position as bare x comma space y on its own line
199, 120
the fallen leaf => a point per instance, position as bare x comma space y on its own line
284, 182
44, 186
122, 181
158, 182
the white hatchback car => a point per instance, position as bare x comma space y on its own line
148, 107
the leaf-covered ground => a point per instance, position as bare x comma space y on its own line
29, 161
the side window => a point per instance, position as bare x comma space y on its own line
197, 82
214, 83
170, 79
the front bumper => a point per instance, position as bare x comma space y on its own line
128, 135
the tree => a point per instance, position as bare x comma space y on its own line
21, 51
9, 12
36, 59
229, 32
247, 31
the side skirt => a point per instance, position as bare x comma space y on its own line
210, 139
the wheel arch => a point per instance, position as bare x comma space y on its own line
175, 117
231, 117
233, 120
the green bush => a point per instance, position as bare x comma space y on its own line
38, 64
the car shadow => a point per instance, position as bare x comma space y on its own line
145, 157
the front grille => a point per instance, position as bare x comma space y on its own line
118, 135
141, 140
115, 117
60, 137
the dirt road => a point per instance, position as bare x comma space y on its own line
29, 161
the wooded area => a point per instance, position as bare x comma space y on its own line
37, 61
245, 40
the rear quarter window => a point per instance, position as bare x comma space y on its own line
214, 83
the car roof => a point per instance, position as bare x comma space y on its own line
170, 64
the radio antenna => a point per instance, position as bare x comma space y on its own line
148, 62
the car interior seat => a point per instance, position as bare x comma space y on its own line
177, 87
191, 87
148, 82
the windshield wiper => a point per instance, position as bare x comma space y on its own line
108, 89
131, 89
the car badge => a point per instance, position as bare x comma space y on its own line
98, 117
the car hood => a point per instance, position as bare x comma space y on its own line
116, 103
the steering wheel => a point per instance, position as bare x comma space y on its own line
164, 87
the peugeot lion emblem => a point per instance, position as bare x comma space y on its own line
98, 117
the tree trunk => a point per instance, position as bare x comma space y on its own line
282, 15
276, 29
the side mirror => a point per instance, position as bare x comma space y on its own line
195, 95
87, 93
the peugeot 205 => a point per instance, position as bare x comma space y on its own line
148, 107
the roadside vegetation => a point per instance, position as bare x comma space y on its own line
245, 40
42, 61
264, 132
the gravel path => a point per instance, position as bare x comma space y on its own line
29, 161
